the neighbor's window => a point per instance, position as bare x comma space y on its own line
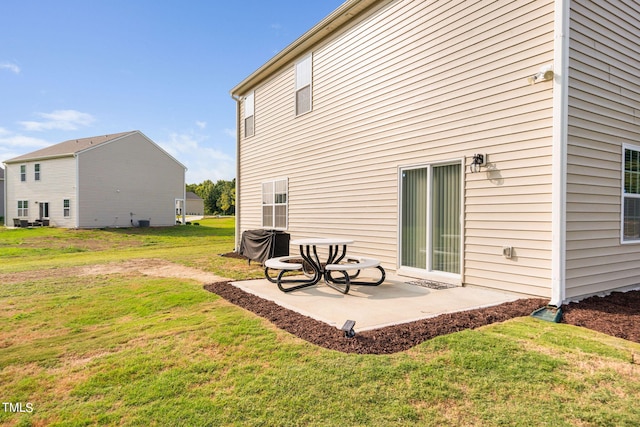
304, 84
631, 195
23, 173
275, 204
37, 171
23, 208
66, 207
249, 121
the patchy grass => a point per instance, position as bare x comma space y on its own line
195, 246
127, 349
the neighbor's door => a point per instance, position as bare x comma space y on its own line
44, 210
430, 220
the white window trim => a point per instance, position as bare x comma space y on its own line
37, 171
24, 214
626, 147
274, 204
308, 56
429, 273
23, 173
68, 215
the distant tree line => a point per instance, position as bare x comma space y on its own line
219, 198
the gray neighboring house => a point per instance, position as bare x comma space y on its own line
194, 205
117, 180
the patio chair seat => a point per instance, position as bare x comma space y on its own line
355, 263
281, 263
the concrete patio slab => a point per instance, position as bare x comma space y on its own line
393, 302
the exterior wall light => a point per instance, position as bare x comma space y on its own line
544, 75
477, 162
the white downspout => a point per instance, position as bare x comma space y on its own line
76, 202
4, 195
559, 149
238, 100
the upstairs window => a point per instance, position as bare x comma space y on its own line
37, 172
631, 195
304, 72
275, 204
23, 173
249, 121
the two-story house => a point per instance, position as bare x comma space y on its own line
492, 144
118, 180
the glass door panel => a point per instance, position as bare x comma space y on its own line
445, 222
414, 218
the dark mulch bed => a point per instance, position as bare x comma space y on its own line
616, 315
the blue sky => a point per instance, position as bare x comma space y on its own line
79, 68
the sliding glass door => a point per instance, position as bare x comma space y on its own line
430, 218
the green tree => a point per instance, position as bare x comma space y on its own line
219, 198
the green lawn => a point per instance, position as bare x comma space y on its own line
127, 349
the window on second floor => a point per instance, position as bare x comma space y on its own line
37, 171
249, 120
304, 73
23, 173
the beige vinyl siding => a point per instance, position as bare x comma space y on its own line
604, 114
57, 182
128, 175
409, 84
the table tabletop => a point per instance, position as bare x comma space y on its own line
319, 241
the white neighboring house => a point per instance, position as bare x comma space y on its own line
118, 180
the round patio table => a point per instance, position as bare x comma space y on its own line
309, 253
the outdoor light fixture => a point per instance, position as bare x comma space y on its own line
545, 74
348, 328
478, 161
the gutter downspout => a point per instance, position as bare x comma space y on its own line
4, 195
238, 100
76, 208
559, 152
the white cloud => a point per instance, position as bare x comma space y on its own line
201, 125
14, 145
10, 66
230, 132
60, 120
202, 161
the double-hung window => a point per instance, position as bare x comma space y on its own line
631, 194
66, 208
23, 173
36, 169
23, 208
249, 116
275, 204
304, 73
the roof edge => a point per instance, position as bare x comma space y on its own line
336, 19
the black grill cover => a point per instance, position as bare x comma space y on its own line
260, 245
